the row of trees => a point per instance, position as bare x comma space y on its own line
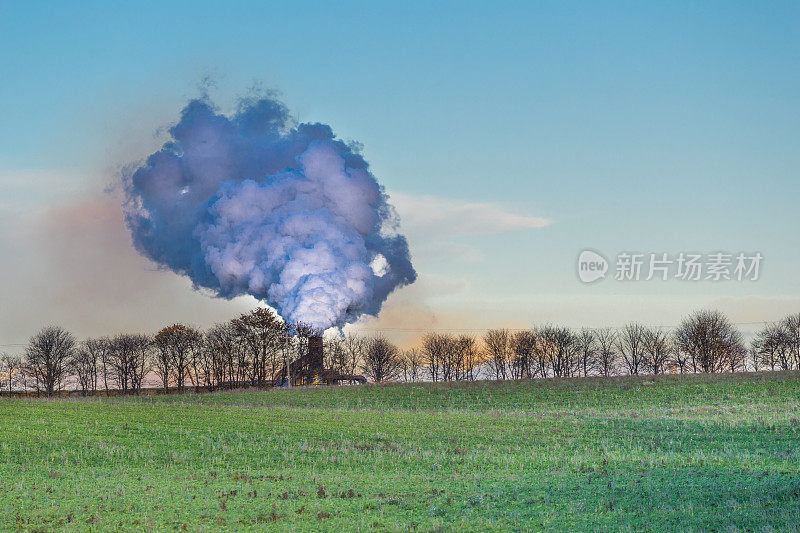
706, 341
248, 349
252, 349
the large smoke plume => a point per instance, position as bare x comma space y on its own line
254, 203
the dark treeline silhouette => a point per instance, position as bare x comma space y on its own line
252, 350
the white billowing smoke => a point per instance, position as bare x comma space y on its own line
251, 204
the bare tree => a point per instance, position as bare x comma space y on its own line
333, 352
737, 357
163, 358
381, 360
680, 358
263, 336
354, 348
26, 378
791, 328
708, 339
767, 345
47, 355
523, 346
498, 350
606, 351
411, 362
127, 361
434, 347
451, 357
345, 354
755, 352
220, 341
85, 363
631, 345
471, 358
657, 350
773, 346
10, 367
541, 352
559, 349
177, 348
204, 365
587, 351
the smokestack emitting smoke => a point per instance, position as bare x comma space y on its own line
254, 203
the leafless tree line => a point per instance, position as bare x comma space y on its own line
704, 342
253, 348
248, 350
777, 346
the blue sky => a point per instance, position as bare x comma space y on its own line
649, 126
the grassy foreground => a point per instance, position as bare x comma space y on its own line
686, 453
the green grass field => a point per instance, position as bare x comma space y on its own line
677, 453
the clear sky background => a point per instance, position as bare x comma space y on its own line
652, 127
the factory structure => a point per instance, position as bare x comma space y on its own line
310, 369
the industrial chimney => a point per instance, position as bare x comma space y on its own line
315, 354
310, 369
